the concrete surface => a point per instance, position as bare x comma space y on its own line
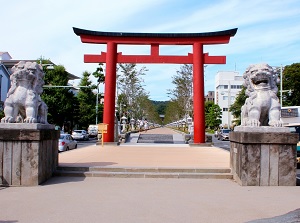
136, 200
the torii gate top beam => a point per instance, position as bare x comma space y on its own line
219, 37
154, 40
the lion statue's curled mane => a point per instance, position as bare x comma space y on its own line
262, 107
23, 103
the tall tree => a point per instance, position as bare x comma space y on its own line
99, 75
87, 100
183, 91
213, 116
291, 83
59, 100
236, 107
172, 114
130, 86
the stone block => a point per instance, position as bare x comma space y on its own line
263, 158
28, 157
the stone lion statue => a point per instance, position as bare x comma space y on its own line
262, 107
23, 103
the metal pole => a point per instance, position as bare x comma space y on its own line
97, 103
229, 102
281, 86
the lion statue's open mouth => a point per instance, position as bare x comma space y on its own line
262, 105
23, 103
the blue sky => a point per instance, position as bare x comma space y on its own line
268, 31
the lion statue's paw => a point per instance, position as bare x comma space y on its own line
8, 119
30, 120
253, 122
276, 123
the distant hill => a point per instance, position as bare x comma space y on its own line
160, 106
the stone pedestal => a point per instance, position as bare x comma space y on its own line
28, 153
263, 156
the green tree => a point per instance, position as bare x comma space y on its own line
213, 116
183, 91
99, 75
130, 86
291, 81
59, 100
236, 107
86, 99
172, 114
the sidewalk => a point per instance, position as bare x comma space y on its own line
147, 155
136, 200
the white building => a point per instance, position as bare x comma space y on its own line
227, 86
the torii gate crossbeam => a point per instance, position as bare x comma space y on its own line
197, 58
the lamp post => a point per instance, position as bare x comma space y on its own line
132, 121
280, 86
97, 99
229, 103
123, 120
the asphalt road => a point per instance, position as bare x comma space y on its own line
221, 144
82, 144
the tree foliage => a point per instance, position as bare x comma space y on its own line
183, 91
172, 113
59, 100
236, 107
291, 81
86, 102
132, 95
213, 116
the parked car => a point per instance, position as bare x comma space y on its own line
93, 130
66, 142
223, 134
80, 135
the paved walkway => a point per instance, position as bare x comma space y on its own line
114, 200
147, 155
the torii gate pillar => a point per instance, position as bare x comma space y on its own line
198, 91
197, 58
110, 91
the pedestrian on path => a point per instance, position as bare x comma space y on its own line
141, 124
146, 125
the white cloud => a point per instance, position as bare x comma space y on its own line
267, 31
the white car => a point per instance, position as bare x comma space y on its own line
66, 142
80, 135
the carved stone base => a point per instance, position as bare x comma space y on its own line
263, 158
28, 157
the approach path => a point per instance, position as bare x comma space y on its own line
135, 200
147, 155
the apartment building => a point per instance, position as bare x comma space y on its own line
227, 86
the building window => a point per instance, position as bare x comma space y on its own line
225, 97
225, 109
225, 86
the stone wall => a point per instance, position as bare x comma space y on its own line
28, 157
263, 158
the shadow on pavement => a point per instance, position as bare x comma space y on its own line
86, 165
62, 180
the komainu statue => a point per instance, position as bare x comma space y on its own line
262, 107
23, 103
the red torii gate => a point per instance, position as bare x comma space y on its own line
197, 58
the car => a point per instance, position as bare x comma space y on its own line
93, 130
223, 134
66, 142
80, 135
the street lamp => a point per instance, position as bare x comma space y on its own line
132, 122
123, 120
97, 98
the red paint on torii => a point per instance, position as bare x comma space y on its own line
197, 58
